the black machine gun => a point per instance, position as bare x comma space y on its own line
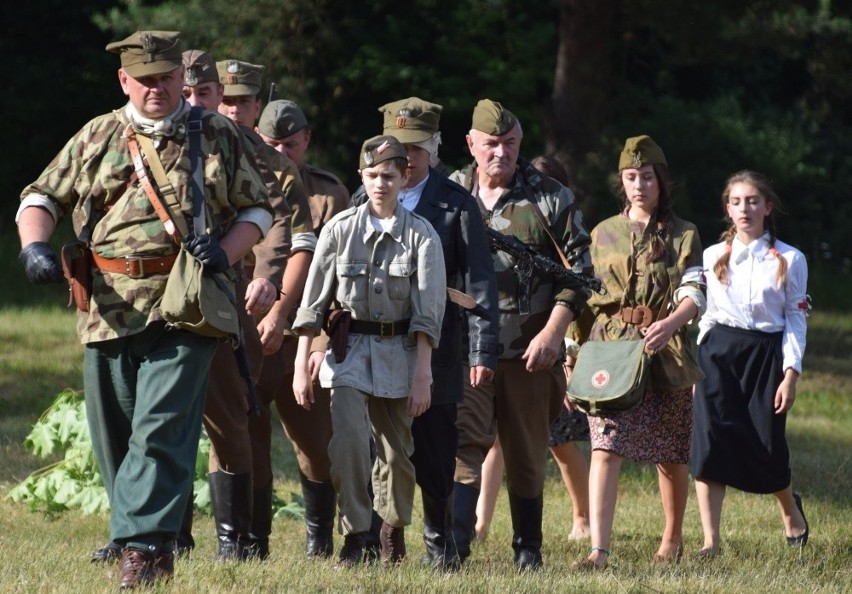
528, 260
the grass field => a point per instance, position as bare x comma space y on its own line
39, 356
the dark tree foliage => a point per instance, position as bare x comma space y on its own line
721, 85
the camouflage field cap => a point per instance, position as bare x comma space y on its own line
380, 148
411, 120
492, 118
146, 53
240, 78
200, 68
280, 119
639, 151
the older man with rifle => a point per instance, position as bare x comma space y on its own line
529, 384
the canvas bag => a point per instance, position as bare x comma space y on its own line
200, 302
193, 300
609, 375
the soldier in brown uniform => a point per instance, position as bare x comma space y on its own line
529, 384
241, 102
145, 383
284, 127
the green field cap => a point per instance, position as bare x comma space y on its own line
411, 120
380, 148
240, 78
200, 68
146, 53
492, 118
640, 151
280, 119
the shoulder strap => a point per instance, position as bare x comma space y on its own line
540, 216
174, 227
194, 126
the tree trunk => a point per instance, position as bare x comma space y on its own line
581, 79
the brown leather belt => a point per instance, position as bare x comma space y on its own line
134, 266
641, 315
383, 329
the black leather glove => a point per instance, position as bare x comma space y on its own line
208, 251
41, 264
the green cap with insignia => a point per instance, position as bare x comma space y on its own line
411, 120
380, 148
200, 68
280, 119
492, 118
240, 78
639, 151
146, 53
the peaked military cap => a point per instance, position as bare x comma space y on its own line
411, 120
492, 118
200, 68
280, 119
146, 53
380, 148
639, 151
240, 78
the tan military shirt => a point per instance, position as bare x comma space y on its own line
391, 275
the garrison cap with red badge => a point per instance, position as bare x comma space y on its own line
281, 119
492, 118
411, 120
147, 53
380, 148
240, 78
200, 67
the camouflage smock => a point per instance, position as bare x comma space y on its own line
513, 215
619, 249
93, 179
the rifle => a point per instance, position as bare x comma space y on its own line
528, 260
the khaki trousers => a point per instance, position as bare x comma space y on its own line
519, 406
354, 416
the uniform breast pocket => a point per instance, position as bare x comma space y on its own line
353, 282
399, 278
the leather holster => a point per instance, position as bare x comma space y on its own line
336, 325
77, 267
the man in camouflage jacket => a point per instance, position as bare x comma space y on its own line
529, 384
144, 382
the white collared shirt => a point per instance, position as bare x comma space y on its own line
752, 298
410, 197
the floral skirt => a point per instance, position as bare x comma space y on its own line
657, 431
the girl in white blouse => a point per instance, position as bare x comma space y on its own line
751, 342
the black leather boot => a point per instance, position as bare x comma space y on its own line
261, 523
526, 525
231, 499
464, 517
320, 507
438, 533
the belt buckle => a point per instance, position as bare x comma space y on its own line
140, 267
645, 315
389, 333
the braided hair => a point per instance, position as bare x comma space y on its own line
764, 189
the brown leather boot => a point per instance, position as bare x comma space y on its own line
136, 568
393, 544
164, 566
352, 551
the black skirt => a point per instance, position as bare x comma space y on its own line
737, 439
